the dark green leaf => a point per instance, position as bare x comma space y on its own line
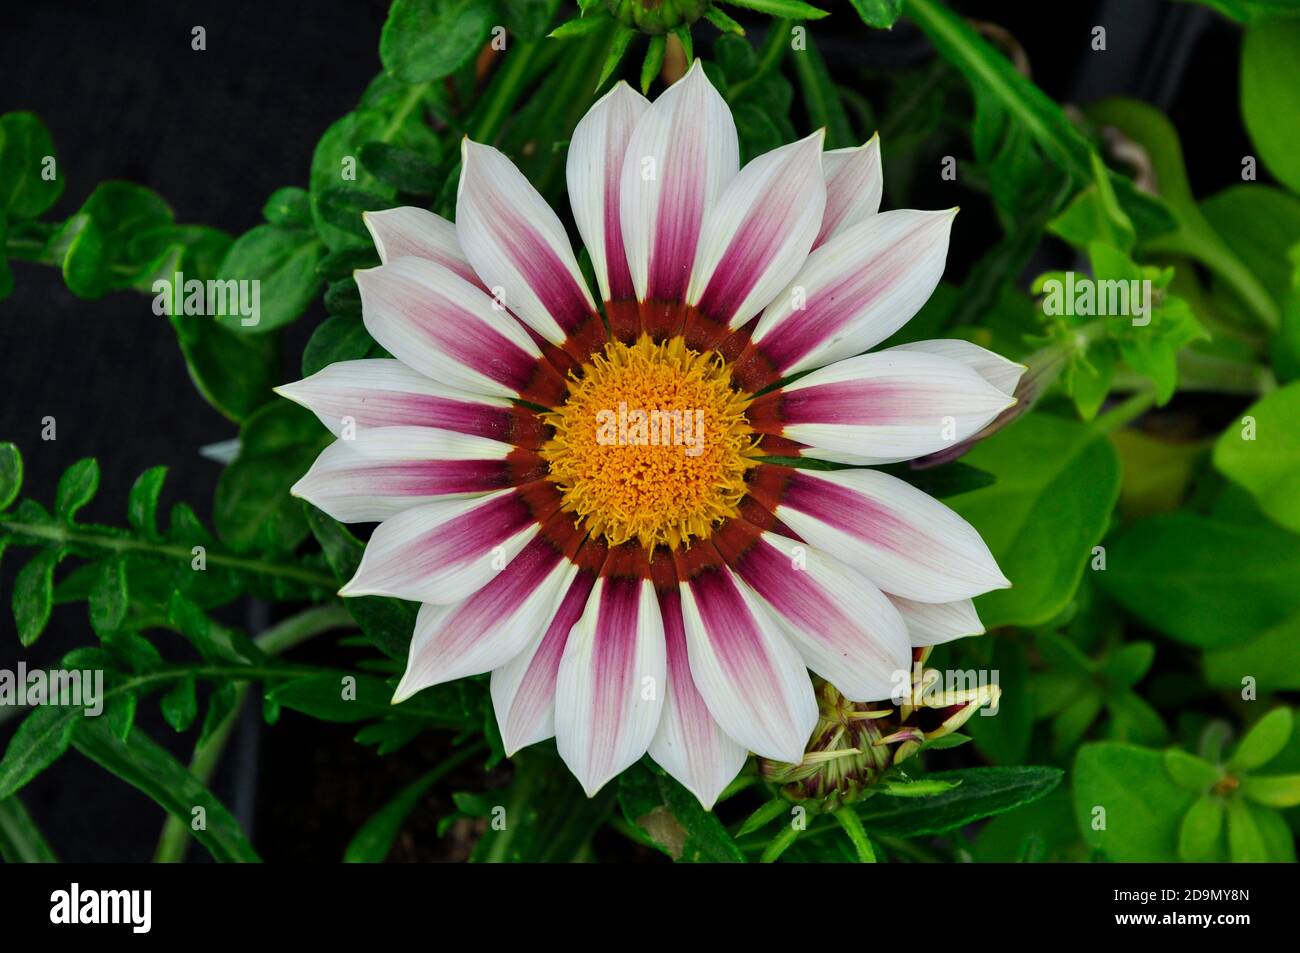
289, 206
77, 487
30, 181
980, 792
21, 841
33, 593
424, 40
283, 263
150, 769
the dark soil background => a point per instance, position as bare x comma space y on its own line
214, 133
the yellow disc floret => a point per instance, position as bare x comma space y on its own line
652, 444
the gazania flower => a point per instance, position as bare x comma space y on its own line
585, 504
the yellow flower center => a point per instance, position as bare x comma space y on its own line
652, 444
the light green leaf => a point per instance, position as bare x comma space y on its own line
1270, 97
1264, 742
1276, 790
11, 474
1267, 464
1245, 842
1201, 830
1126, 804
1057, 483
1189, 771
77, 487
881, 14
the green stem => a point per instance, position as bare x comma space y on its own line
279, 638
61, 534
1125, 412
774, 47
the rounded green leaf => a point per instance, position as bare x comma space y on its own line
283, 263
77, 487
1263, 742
1202, 827
1245, 841
424, 40
1277, 790
1126, 804
1261, 453
1270, 96
30, 179
1057, 483
11, 474
1189, 771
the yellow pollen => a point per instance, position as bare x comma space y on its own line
652, 444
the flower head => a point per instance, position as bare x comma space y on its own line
584, 498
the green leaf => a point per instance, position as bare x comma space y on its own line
1201, 829
96, 247
1268, 463
980, 793
857, 835
1270, 99
283, 263
1277, 790
336, 339
1278, 838
77, 487
404, 169
37, 743
142, 505
1202, 580
1264, 742
1126, 804
11, 474
180, 706
622, 37
1189, 771
821, 98
29, 182
1129, 664
21, 841
1004, 739
653, 62
1245, 842
1251, 11
881, 14
354, 698
791, 9
1057, 483
109, 600
1260, 224
1271, 659
150, 769
388, 623
33, 594
210, 352
424, 40
289, 206
253, 508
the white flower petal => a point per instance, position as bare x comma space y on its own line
854, 183
934, 623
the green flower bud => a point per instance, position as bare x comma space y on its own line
657, 16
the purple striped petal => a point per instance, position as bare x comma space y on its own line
844, 627
994, 368
758, 234
594, 173
381, 392
610, 688
877, 407
856, 290
938, 622
385, 470
751, 677
492, 626
443, 552
689, 744
682, 154
518, 246
854, 183
447, 329
523, 690
410, 232
902, 539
